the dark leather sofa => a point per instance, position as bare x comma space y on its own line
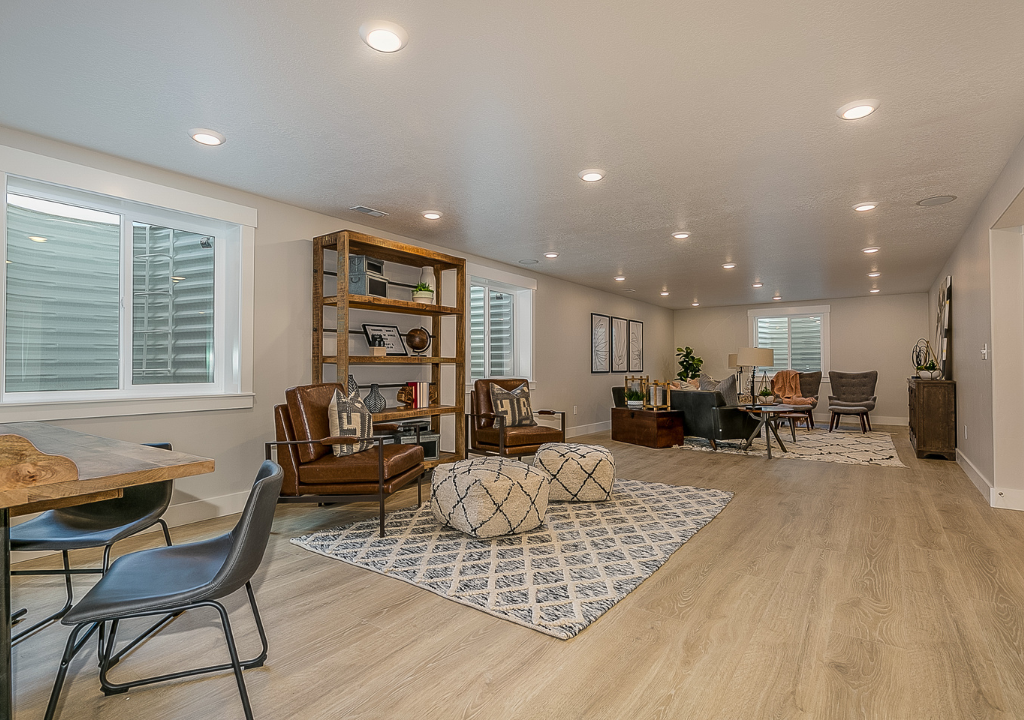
706, 415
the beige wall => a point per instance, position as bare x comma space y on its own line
871, 333
234, 438
971, 324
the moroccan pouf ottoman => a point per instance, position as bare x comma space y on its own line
579, 473
488, 497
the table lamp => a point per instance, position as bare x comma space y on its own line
755, 358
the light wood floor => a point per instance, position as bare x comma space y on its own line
821, 591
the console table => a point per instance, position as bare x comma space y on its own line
650, 428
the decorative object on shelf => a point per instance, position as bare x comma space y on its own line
377, 348
942, 329
620, 345
765, 397
636, 346
754, 358
600, 342
656, 397
764, 387
407, 395
391, 336
634, 399
352, 386
366, 276
427, 276
689, 364
423, 293
418, 340
925, 362
374, 401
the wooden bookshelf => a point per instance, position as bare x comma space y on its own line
346, 242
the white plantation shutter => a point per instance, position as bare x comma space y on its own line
491, 333
501, 334
796, 341
477, 332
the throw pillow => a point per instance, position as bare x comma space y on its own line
348, 415
728, 389
707, 382
513, 405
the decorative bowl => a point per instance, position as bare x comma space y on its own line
929, 374
635, 404
765, 399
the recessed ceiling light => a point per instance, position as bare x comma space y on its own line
777, 297
936, 200
875, 290
385, 37
619, 278
857, 109
431, 214
551, 255
529, 262
664, 293
695, 304
591, 175
729, 266
680, 235
8, 262
871, 249
865, 206
36, 238
874, 274
758, 285
628, 290
204, 136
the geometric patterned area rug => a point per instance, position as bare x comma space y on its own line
556, 579
839, 446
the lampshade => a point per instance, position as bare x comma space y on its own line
732, 361
756, 357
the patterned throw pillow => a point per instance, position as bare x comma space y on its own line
708, 383
348, 415
728, 389
513, 405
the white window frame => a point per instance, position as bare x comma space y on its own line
234, 272
522, 288
796, 311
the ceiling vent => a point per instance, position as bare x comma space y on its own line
369, 211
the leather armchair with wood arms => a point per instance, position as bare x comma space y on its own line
312, 473
486, 433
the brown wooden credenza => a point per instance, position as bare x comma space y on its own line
650, 428
932, 417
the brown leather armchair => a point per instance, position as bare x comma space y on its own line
312, 473
487, 435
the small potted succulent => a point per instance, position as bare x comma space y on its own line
928, 371
423, 293
765, 397
634, 399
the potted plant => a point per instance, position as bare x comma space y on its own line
423, 293
766, 397
928, 371
689, 364
634, 399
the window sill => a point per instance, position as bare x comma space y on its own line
73, 410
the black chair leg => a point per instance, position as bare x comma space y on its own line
792, 428
70, 650
863, 427
868, 419
236, 665
55, 616
167, 531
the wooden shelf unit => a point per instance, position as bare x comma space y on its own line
347, 242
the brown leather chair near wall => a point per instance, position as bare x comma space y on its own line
312, 473
487, 435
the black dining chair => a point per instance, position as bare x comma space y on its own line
92, 525
167, 581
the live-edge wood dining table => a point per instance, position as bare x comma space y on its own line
60, 468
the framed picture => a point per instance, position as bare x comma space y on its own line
942, 329
600, 342
392, 337
636, 346
620, 344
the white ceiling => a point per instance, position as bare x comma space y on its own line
713, 117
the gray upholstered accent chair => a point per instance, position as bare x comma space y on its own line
92, 525
852, 394
166, 581
707, 415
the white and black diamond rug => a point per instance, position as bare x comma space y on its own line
556, 579
850, 447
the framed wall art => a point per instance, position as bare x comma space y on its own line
636, 346
620, 345
390, 333
600, 343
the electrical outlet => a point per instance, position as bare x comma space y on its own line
965, 432
573, 409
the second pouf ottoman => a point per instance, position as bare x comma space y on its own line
488, 497
579, 473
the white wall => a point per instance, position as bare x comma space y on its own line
870, 333
971, 324
282, 345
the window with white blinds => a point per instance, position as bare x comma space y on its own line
500, 330
106, 298
799, 339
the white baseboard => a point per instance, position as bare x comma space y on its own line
975, 475
181, 514
588, 429
1006, 499
823, 416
